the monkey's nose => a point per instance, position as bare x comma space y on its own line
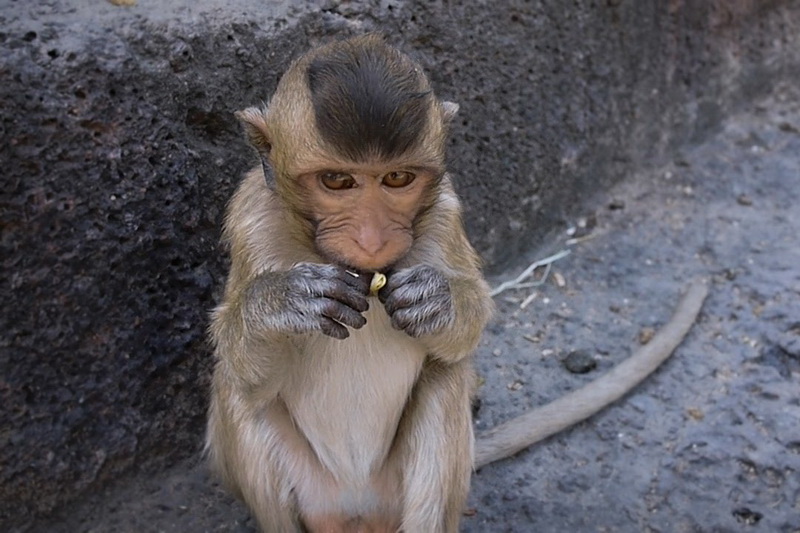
371, 240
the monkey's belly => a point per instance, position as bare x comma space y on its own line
351, 427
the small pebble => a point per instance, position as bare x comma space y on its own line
579, 362
789, 127
616, 204
646, 335
695, 414
515, 385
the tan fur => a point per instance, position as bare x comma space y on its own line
320, 416
369, 433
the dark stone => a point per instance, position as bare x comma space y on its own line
579, 362
746, 516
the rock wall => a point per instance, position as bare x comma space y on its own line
119, 151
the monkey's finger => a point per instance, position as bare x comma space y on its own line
359, 282
414, 323
384, 293
390, 302
413, 285
404, 320
348, 296
331, 328
395, 279
342, 313
424, 319
337, 284
398, 298
398, 278
412, 294
415, 274
329, 280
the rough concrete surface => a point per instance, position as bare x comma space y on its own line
119, 151
711, 442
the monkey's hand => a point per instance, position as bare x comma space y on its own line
418, 301
309, 297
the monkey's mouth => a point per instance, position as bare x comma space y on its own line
366, 272
351, 267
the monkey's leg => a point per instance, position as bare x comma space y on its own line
261, 456
434, 447
379, 507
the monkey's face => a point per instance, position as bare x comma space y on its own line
353, 141
363, 216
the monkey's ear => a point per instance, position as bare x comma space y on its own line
450, 110
255, 128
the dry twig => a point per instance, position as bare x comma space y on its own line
520, 283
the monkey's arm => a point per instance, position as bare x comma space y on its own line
308, 297
537, 424
265, 309
446, 312
273, 291
441, 297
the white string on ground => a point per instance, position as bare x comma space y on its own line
520, 283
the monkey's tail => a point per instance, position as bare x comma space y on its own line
517, 434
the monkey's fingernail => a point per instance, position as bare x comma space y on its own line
377, 283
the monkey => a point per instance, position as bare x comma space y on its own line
334, 408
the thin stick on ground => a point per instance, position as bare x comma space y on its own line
520, 283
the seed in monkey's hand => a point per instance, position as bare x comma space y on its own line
377, 283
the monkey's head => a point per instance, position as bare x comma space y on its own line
353, 142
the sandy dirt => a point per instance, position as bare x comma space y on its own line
711, 442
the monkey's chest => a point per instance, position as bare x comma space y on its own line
349, 396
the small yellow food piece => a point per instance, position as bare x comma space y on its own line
377, 283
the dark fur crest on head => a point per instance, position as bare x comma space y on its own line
369, 100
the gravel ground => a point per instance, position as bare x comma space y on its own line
711, 442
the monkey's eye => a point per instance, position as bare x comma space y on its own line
337, 180
398, 179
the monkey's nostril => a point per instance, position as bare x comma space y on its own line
371, 241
